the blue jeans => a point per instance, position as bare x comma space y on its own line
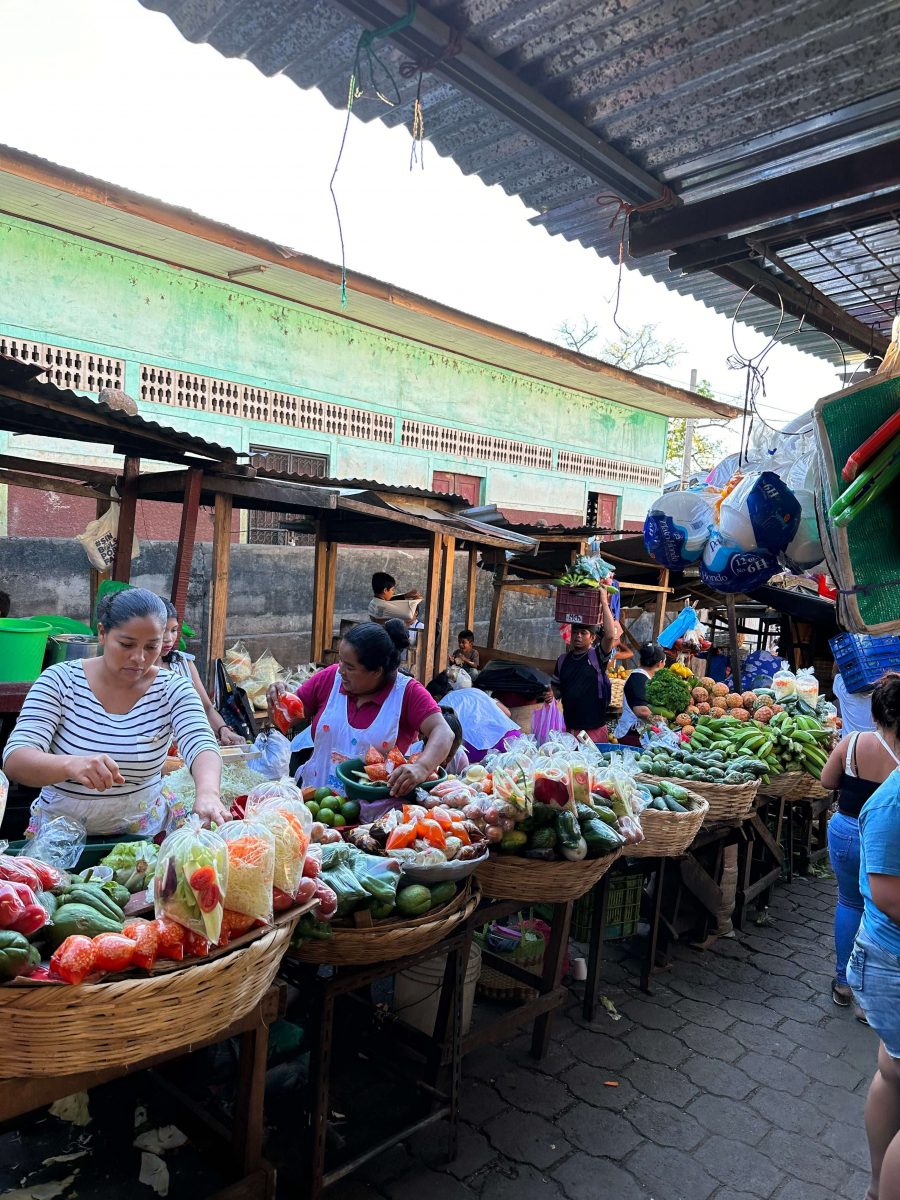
874, 975
843, 850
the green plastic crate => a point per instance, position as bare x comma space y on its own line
623, 908
95, 849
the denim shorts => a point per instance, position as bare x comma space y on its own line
874, 976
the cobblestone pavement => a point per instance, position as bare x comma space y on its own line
738, 1079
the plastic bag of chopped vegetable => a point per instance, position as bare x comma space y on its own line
290, 823
191, 879
272, 789
379, 876
131, 863
337, 872
251, 869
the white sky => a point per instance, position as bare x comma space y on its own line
113, 90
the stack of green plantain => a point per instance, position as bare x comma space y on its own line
789, 742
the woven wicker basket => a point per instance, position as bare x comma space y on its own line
355, 946
795, 785
64, 1030
668, 834
727, 801
505, 877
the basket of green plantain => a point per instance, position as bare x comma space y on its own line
671, 821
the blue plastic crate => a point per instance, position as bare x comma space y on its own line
863, 659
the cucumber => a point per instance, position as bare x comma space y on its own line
79, 918
674, 806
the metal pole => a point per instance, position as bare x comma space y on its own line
688, 439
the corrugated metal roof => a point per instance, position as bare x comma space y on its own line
75, 418
35, 190
705, 98
363, 485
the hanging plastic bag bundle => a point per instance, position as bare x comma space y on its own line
677, 528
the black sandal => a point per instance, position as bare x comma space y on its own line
841, 994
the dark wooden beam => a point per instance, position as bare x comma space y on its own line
184, 555
40, 483
56, 470
751, 207
121, 568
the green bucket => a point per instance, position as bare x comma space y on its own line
22, 646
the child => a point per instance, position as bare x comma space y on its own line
466, 656
457, 761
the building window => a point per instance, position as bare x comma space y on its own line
602, 511
265, 528
454, 484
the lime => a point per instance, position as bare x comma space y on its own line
321, 794
330, 801
326, 816
350, 811
313, 808
338, 821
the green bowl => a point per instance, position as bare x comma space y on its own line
369, 792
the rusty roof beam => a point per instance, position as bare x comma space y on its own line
479, 75
751, 208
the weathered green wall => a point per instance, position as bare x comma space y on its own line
61, 289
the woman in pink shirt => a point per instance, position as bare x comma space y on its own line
364, 701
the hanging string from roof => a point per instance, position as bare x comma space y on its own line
409, 68
625, 210
366, 62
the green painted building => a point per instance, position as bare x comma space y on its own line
245, 343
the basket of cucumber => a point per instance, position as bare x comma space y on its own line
727, 801
670, 822
795, 785
354, 943
506, 877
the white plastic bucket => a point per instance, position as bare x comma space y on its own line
417, 991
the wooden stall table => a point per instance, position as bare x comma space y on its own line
760, 855
441, 1051
242, 1144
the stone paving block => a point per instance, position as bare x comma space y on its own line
728, 1118
836, 1071
488, 1064
600, 1050
797, 1010
604, 1134
479, 1101
599, 1088
774, 1072
703, 1013
532, 1092
517, 1183
648, 1014
661, 1083
771, 964
739, 1166
394, 1162
825, 1039
766, 945
785, 1111
664, 1124
557, 1059
837, 1102
749, 1011
796, 989
857, 1185
656, 1046
584, 1178
527, 1138
757, 993
720, 1078
794, 1189
803, 1158
670, 1174
753, 1037
711, 1043
353, 1189
421, 1182
848, 1141
474, 1151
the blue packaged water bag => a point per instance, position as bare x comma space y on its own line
762, 513
727, 567
677, 528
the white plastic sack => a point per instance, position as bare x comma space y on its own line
100, 538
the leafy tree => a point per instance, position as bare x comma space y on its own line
705, 451
576, 337
641, 347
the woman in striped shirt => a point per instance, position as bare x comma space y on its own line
94, 733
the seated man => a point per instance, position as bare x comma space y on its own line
385, 604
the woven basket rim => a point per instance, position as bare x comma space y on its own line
727, 801
509, 877
669, 834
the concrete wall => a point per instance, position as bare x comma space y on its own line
64, 290
270, 592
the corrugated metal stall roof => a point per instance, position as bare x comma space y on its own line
705, 99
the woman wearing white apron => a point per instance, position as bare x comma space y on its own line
93, 734
635, 710
179, 662
363, 701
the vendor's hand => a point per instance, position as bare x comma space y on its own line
97, 771
211, 810
273, 693
227, 737
407, 778
415, 594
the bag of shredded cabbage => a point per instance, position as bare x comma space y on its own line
272, 789
290, 822
251, 869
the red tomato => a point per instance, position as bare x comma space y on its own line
74, 959
312, 866
281, 901
170, 938
305, 891
328, 900
113, 952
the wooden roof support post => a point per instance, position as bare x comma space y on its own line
187, 536
736, 680
426, 646
500, 573
97, 577
218, 596
317, 632
327, 633
659, 617
121, 568
471, 588
442, 655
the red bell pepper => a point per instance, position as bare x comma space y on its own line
19, 870
287, 711
11, 906
33, 915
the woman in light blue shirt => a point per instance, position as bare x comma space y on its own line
873, 971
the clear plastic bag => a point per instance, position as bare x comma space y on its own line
290, 823
337, 873
274, 760
59, 842
251, 868
191, 879
283, 789
808, 686
238, 663
784, 684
